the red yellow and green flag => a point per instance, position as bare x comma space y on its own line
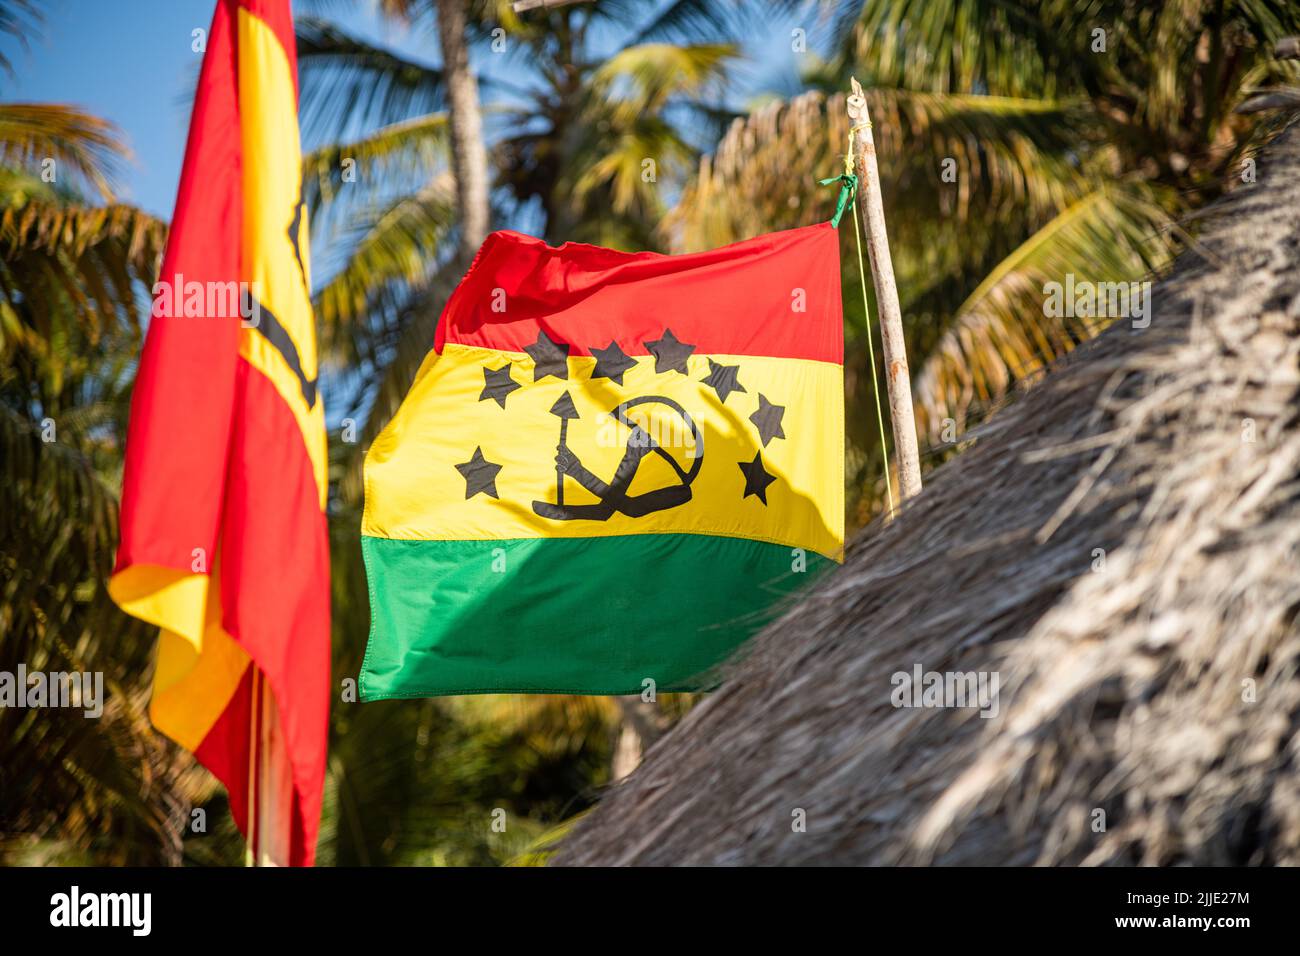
223, 538
610, 468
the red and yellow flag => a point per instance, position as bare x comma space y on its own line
223, 540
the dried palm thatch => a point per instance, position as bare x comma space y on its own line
1121, 545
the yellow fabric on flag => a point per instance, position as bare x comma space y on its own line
277, 260
414, 491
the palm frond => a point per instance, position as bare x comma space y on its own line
1009, 156
1003, 333
543, 849
68, 262
63, 141
107, 786
19, 19
646, 76
950, 46
686, 21
346, 80
618, 169
401, 151
52, 226
396, 246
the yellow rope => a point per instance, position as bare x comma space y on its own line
871, 348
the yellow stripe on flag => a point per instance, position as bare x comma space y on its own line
277, 255
191, 691
199, 666
414, 490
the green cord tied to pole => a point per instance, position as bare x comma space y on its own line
849, 186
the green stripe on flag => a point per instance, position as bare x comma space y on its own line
445, 616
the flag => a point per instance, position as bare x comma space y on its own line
609, 470
223, 538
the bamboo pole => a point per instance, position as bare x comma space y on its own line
254, 768
898, 378
521, 6
270, 783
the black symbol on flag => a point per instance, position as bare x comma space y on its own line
480, 475
611, 363
295, 237
756, 478
613, 494
549, 357
670, 354
278, 336
722, 379
497, 384
768, 419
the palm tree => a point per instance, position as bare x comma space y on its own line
73, 268
571, 141
1019, 142
468, 155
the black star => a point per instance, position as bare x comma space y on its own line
611, 363
670, 354
497, 384
768, 419
756, 478
723, 379
480, 475
549, 357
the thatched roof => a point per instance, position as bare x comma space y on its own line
1160, 687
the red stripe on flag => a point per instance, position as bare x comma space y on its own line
275, 584
181, 403
224, 751
777, 295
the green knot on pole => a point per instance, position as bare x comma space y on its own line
848, 186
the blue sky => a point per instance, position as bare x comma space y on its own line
131, 62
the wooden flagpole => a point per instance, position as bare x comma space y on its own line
522, 6
898, 379
254, 769
270, 782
